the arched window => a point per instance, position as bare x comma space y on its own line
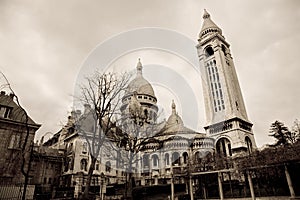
249, 144
197, 157
185, 157
175, 158
209, 51
146, 161
224, 147
83, 164
155, 160
107, 166
167, 159
224, 49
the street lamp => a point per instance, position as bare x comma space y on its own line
102, 186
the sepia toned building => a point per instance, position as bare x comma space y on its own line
174, 148
17, 131
226, 117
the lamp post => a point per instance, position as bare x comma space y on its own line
102, 187
172, 182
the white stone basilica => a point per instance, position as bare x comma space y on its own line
228, 129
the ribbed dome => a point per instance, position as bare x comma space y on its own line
139, 84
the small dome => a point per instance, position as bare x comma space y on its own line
139, 84
175, 124
174, 118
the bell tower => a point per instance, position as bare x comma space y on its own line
226, 116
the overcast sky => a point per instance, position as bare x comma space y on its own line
44, 43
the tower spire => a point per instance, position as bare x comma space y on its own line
139, 67
173, 107
208, 26
206, 14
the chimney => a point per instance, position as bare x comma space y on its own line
73, 114
12, 95
78, 113
87, 108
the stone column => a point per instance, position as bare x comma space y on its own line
289, 181
220, 185
191, 188
251, 185
172, 183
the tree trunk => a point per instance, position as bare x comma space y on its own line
27, 173
89, 178
129, 181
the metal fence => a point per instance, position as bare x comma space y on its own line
15, 192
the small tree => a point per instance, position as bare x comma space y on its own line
136, 132
295, 133
102, 93
281, 133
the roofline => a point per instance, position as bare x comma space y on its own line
10, 121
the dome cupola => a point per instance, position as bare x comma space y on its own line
208, 26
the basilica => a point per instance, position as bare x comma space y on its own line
173, 147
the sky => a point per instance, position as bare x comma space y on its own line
44, 45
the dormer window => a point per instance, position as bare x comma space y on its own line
5, 111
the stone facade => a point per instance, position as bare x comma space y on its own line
14, 127
174, 148
226, 115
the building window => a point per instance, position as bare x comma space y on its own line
209, 51
224, 147
185, 157
15, 142
167, 159
97, 166
216, 89
249, 144
155, 160
107, 167
146, 161
84, 147
83, 164
175, 158
5, 111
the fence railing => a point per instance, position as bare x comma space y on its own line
15, 192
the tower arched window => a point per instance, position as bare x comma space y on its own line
224, 147
249, 144
224, 49
209, 51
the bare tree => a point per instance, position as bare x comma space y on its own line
136, 135
26, 139
102, 92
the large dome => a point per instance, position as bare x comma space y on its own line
139, 84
